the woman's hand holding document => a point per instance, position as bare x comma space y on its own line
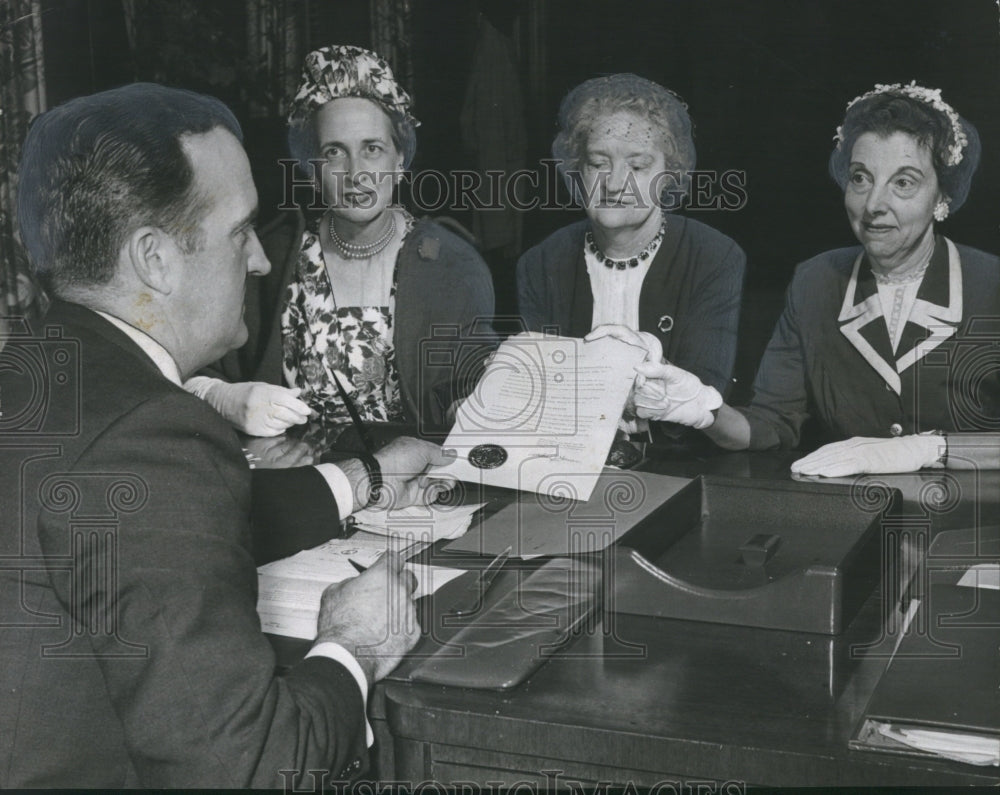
544, 414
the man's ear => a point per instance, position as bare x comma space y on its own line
153, 255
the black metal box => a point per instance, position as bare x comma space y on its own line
757, 553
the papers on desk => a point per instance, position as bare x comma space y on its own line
938, 696
418, 522
958, 746
544, 414
289, 590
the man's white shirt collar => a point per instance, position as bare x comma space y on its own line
161, 358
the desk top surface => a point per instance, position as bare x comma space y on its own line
665, 697
652, 699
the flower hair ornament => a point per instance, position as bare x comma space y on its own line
343, 70
930, 96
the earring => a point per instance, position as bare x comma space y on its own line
941, 210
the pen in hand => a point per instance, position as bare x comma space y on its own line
352, 410
410, 549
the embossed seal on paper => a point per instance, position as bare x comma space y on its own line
487, 456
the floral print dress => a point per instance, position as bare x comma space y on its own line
320, 338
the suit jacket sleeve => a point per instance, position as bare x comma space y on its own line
780, 402
472, 281
292, 509
172, 574
531, 304
444, 313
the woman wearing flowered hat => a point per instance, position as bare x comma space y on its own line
890, 345
390, 307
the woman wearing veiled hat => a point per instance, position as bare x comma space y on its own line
625, 148
389, 306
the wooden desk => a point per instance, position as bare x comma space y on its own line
701, 703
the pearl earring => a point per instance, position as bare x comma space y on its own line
941, 210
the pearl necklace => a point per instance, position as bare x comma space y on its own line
354, 251
631, 262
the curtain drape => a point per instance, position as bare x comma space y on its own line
22, 97
391, 22
274, 54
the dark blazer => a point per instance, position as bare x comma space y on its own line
130, 645
830, 356
690, 298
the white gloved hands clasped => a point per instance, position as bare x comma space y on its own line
254, 407
662, 391
867, 456
669, 394
641, 339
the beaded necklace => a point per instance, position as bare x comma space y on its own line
631, 262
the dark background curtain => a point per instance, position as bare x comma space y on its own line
22, 97
766, 81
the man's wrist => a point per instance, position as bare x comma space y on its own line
374, 470
340, 487
364, 473
363, 673
357, 477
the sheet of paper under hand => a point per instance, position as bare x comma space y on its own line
418, 522
290, 590
543, 416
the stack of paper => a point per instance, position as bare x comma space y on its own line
972, 749
418, 522
290, 590
938, 696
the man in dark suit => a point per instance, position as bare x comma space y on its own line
131, 524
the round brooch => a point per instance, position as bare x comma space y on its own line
487, 456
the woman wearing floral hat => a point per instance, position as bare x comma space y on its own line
391, 307
890, 345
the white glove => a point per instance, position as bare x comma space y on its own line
669, 394
862, 455
630, 423
641, 339
255, 407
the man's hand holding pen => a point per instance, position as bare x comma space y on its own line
405, 463
354, 614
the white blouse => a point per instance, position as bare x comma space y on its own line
616, 292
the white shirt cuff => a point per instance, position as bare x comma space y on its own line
337, 653
340, 486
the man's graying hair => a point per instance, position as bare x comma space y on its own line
96, 168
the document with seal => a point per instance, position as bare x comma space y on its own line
543, 416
